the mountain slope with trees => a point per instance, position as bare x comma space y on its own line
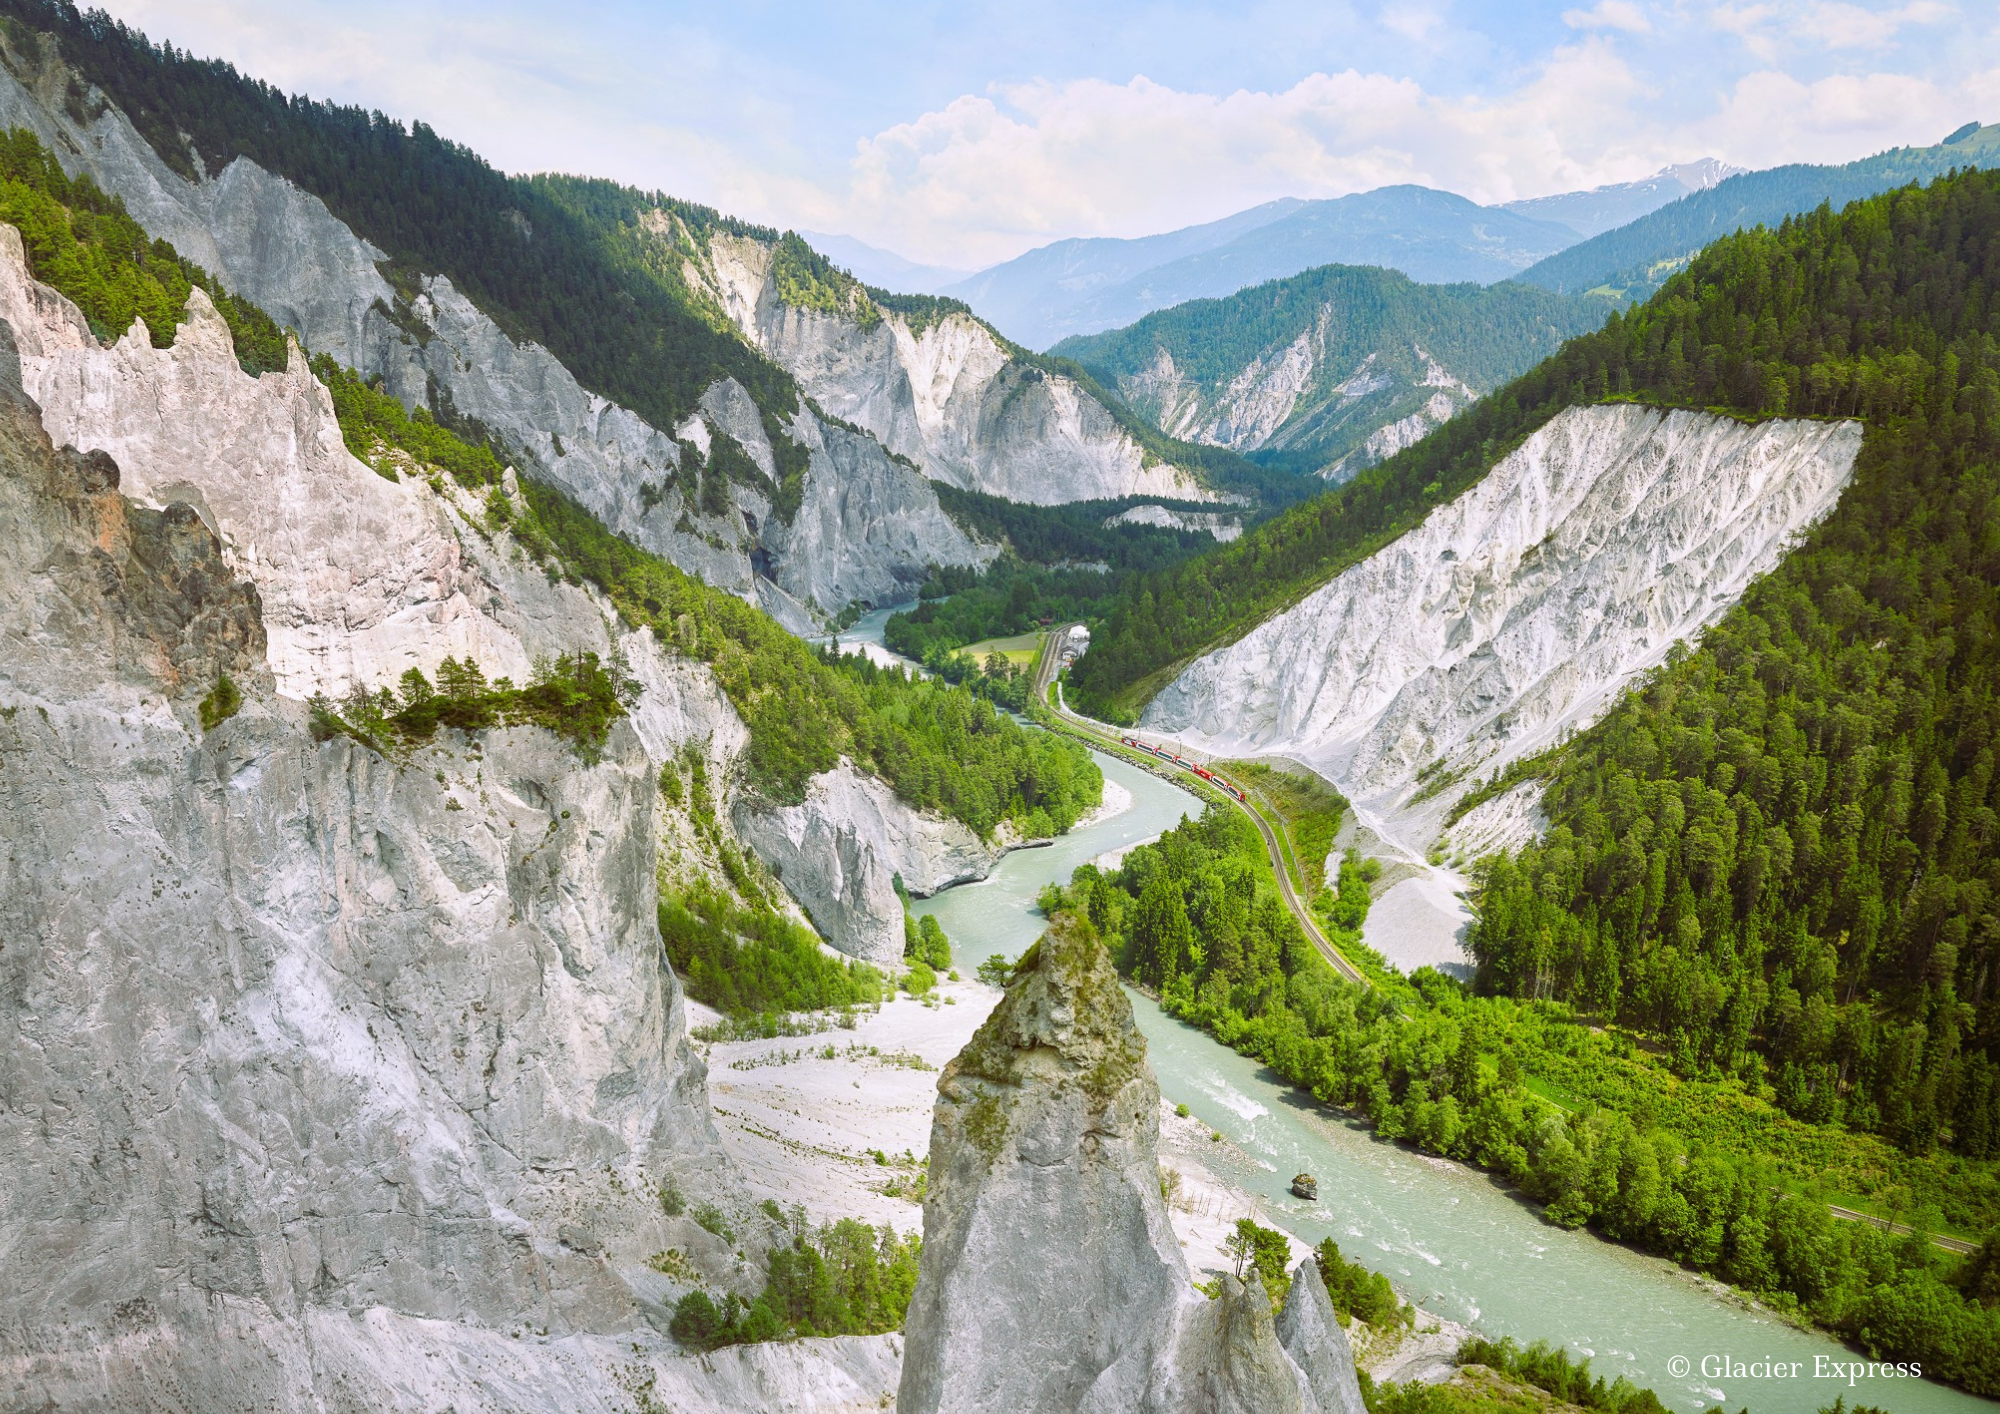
1308, 371
1708, 340
1633, 260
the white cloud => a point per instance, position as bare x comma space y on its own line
1415, 23
1843, 26
989, 175
1765, 29
1610, 14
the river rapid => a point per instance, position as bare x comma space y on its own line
1451, 1239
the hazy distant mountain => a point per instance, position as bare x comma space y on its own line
884, 269
1022, 296
1635, 259
1589, 213
1082, 287
1332, 370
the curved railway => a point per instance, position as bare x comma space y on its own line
1061, 717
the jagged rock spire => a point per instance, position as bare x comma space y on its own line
1051, 1278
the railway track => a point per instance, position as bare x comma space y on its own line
1061, 717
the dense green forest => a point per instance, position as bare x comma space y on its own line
538, 256
755, 962
82, 242
960, 606
1635, 259
1485, 335
1708, 339
1781, 855
1701, 1172
940, 747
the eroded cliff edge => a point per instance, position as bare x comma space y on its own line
1514, 614
329, 1080
1051, 1279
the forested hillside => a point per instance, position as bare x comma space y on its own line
1374, 346
530, 261
1633, 260
939, 747
1782, 855
1700, 1168
1708, 340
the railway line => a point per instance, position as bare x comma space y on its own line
1173, 764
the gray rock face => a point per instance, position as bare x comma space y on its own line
288, 1025
327, 1078
874, 526
840, 850
945, 393
1050, 1277
1051, 1280
1312, 1335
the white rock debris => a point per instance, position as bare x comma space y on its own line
1516, 613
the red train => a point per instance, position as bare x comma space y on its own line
1185, 764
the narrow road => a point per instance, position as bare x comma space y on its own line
1095, 733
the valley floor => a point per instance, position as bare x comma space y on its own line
805, 1118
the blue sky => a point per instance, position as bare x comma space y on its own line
965, 133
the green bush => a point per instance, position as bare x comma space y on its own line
750, 962
222, 703
577, 696
845, 1278
1356, 1291
924, 941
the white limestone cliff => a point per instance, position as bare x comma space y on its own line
944, 392
841, 849
333, 1082
1514, 614
283, 249
1302, 394
1051, 1280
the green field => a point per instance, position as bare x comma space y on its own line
1019, 650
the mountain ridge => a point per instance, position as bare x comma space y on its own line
1330, 370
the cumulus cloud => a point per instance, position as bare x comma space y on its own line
1610, 14
983, 171
992, 173
1844, 26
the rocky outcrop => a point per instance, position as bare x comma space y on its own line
1336, 368
1222, 526
1516, 613
1050, 1279
1523, 607
1309, 396
330, 1081
282, 248
1313, 1336
840, 851
940, 389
